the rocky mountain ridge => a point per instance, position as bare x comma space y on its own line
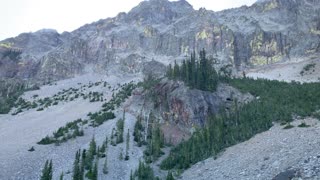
160, 30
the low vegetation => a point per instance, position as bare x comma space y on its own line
275, 102
69, 131
66, 95
308, 68
9, 94
75, 128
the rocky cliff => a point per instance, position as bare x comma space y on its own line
267, 32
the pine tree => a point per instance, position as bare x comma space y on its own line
127, 146
193, 70
95, 171
170, 176
82, 165
170, 72
112, 141
47, 171
91, 153
44, 175
76, 167
61, 176
120, 129
105, 165
176, 71
131, 175
137, 133
183, 71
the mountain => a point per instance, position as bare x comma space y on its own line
265, 33
105, 108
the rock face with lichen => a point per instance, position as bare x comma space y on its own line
267, 32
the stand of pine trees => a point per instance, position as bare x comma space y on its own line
151, 136
198, 74
277, 102
143, 172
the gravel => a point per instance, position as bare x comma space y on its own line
19, 133
266, 155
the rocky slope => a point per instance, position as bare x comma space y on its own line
265, 33
278, 154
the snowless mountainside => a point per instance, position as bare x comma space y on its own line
265, 33
272, 39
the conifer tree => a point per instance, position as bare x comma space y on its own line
61, 176
105, 165
127, 146
47, 171
170, 176
76, 167
91, 153
170, 72
95, 171
82, 165
176, 71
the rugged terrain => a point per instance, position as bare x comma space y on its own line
22, 131
278, 153
265, 33
272, 39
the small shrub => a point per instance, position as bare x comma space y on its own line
303, 125
31, 149
288, 126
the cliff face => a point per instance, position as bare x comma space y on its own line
267, 32
176, 103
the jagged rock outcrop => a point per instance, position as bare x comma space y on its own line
267, 32
183, 109
191, 107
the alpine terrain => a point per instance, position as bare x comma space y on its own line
166, 92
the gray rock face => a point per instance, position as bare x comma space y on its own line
175, 102
267, 32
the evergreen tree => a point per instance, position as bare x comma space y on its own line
120, 129
82, 165
61, 176
47, 171
95, 171
112, 141
170, 176
144, 172
199, 74
183, 71
127, 146
90, 155
131, 175
170, 72
105, 165
76, 167
137, 133
193, 70
176, 71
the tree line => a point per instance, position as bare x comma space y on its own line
275, 102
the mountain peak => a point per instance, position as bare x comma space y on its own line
159, 11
